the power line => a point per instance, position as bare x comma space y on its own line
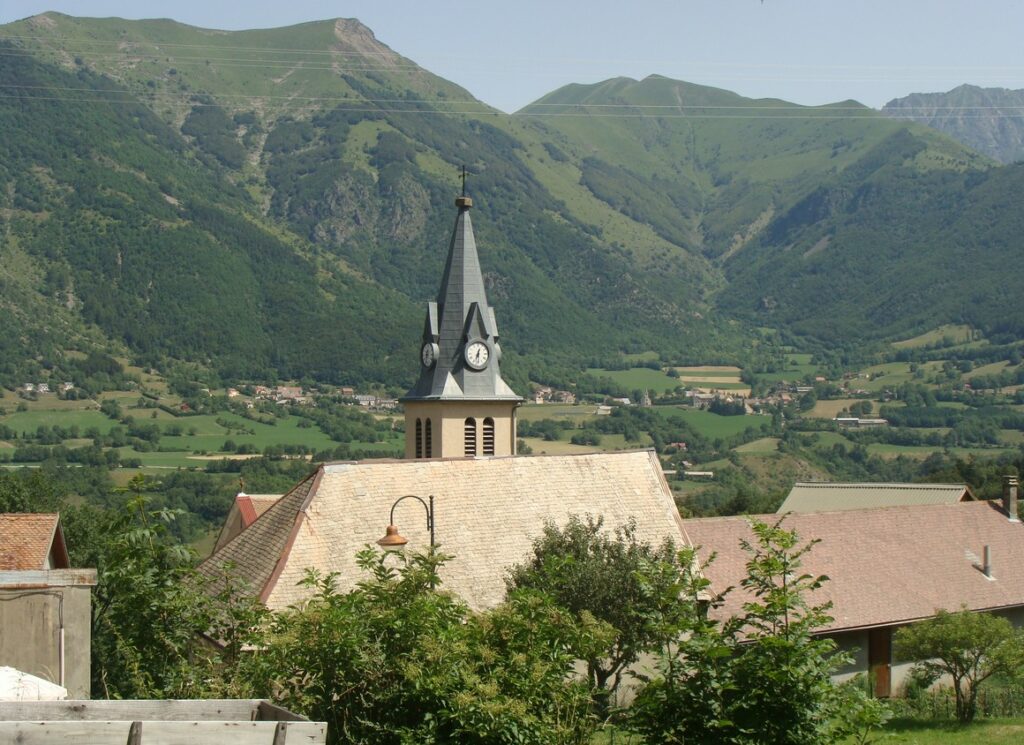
868, 113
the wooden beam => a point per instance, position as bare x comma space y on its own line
163, 733
132, 710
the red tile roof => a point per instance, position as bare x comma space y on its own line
885, 565
26, 540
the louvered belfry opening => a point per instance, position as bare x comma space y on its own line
419, 438
469, 438
488, 436
428, 442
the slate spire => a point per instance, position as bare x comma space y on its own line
461, 318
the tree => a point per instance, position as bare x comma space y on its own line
783, 671
396, 661
760, 677
969, 647
627, 583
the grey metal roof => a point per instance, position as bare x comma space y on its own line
460, 315
821, 496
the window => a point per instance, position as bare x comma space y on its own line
428, 442
419, 438
469, 440
488, 436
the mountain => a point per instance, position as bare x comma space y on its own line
990, 120
278, 202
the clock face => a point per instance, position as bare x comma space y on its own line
477, 355
428, 354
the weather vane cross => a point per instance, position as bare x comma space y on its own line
463, 174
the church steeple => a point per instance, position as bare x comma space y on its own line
460, 405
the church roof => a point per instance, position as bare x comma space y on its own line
487, 513
460, 314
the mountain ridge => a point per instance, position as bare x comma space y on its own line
326, 187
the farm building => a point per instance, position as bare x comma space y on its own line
46, 610
823, 496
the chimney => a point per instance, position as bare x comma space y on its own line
986, 562
1010, 498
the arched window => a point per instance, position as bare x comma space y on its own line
469, 440
488, 436
419, 438
429, 443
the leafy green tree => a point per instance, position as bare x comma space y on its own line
613, 576
783, 671
968, 647
757, 678
395, 661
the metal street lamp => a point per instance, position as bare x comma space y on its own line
393, 540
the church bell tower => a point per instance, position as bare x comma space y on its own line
460, 406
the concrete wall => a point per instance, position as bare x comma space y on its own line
30, 618
448, 426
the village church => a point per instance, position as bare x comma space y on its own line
461, 485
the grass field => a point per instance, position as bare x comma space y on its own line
30, 421
798, 366
831, 409
714, 425
944, 335
639, 378
902, 732
764, 445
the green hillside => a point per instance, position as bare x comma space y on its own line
888, 249
277, 203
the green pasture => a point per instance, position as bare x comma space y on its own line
897, 732
763, 445
798, 366
639, 378
946, 335
886, 450
714, 425
30, 421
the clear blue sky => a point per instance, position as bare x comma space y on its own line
511, 52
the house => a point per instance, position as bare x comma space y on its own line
288, 392
347, 390
243, 513
365, 399
45, 605
42, 388
821, 496
487, 511
886, 567
67, 386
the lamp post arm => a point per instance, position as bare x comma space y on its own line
428, 507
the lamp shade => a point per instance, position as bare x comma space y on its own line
392, 540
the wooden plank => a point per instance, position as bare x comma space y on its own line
269, 712
161, 733
130, 710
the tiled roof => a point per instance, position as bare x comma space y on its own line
886, 565
487, 513
823, 496
253, 561
26, 540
